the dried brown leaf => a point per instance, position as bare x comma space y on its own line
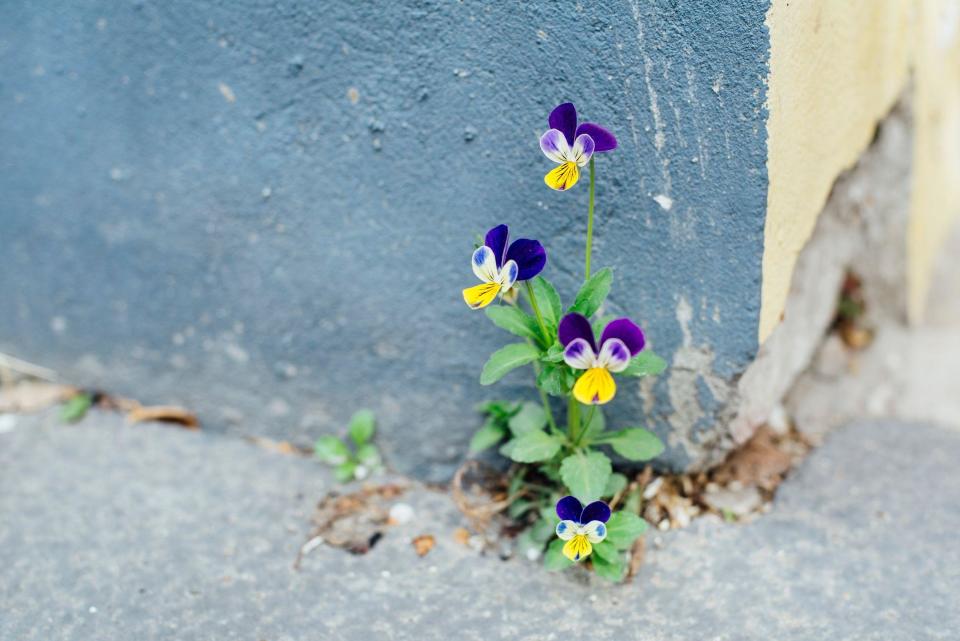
165, 413
423, 544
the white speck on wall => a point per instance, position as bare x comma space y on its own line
226, 92
8, 423
58, 324
266, 192
236, 353
665, 202
119, 173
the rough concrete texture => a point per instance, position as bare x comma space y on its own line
910, 373
265, 211
862, 229
115, 532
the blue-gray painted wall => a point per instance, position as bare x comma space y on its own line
265, 210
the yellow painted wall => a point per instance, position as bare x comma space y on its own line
836, 68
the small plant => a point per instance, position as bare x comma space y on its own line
358, 462
574, 353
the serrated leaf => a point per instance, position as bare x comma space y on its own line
549, 302
543, 529
552, 380
586, 475
531, 417
362, 425
553, 559
514, 320
623, 528
76, 408
615, 484
332, 450
607, 551
646, 363
611, 571
593, 293
534, 446
554, 354
506, 359
635, 443
368, 454
487, 436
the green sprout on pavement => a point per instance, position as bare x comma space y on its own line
352, 463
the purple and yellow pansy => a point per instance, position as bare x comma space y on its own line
571, 145
581, 527
500, 265
620, 341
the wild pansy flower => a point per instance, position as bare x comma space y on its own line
580, 526
621, 340
571, 145
500, 266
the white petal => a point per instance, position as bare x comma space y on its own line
614, 355
555, 147
566, 530
579, 354
508, 275
596, 531
582, 149
485, 264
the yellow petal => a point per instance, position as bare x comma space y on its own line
577, 548
563, 177
481, 295
595, 387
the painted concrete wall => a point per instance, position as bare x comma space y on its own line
836, 70
265, 210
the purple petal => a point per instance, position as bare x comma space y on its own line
603, 140
569, 509
627, 331
574, 326
497, 241
596, 511
529, 255
614, 355
564, 118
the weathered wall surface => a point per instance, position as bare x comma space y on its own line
265, 210
836, 69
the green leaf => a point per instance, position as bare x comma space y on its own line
635, 443
555, 380
344, 472
368, 455
596, 425
531, 417
553, 559
607, 551
586, 475
615, 483
611, 571
498, 409
548, 300
506, 359
361, 426
543, 529
514, 320
332, 450
593, 293
554, 354
534, 446
623, 528
645, 363
487, 436
76, 408
507, 448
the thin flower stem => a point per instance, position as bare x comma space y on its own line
586, 425
544, 399
536, 311
573, 419
589, 223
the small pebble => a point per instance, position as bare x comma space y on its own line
401, 513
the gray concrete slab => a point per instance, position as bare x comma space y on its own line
115, 532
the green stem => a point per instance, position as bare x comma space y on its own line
586, 424
589, 223
545, 401
573, 419
536, 311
